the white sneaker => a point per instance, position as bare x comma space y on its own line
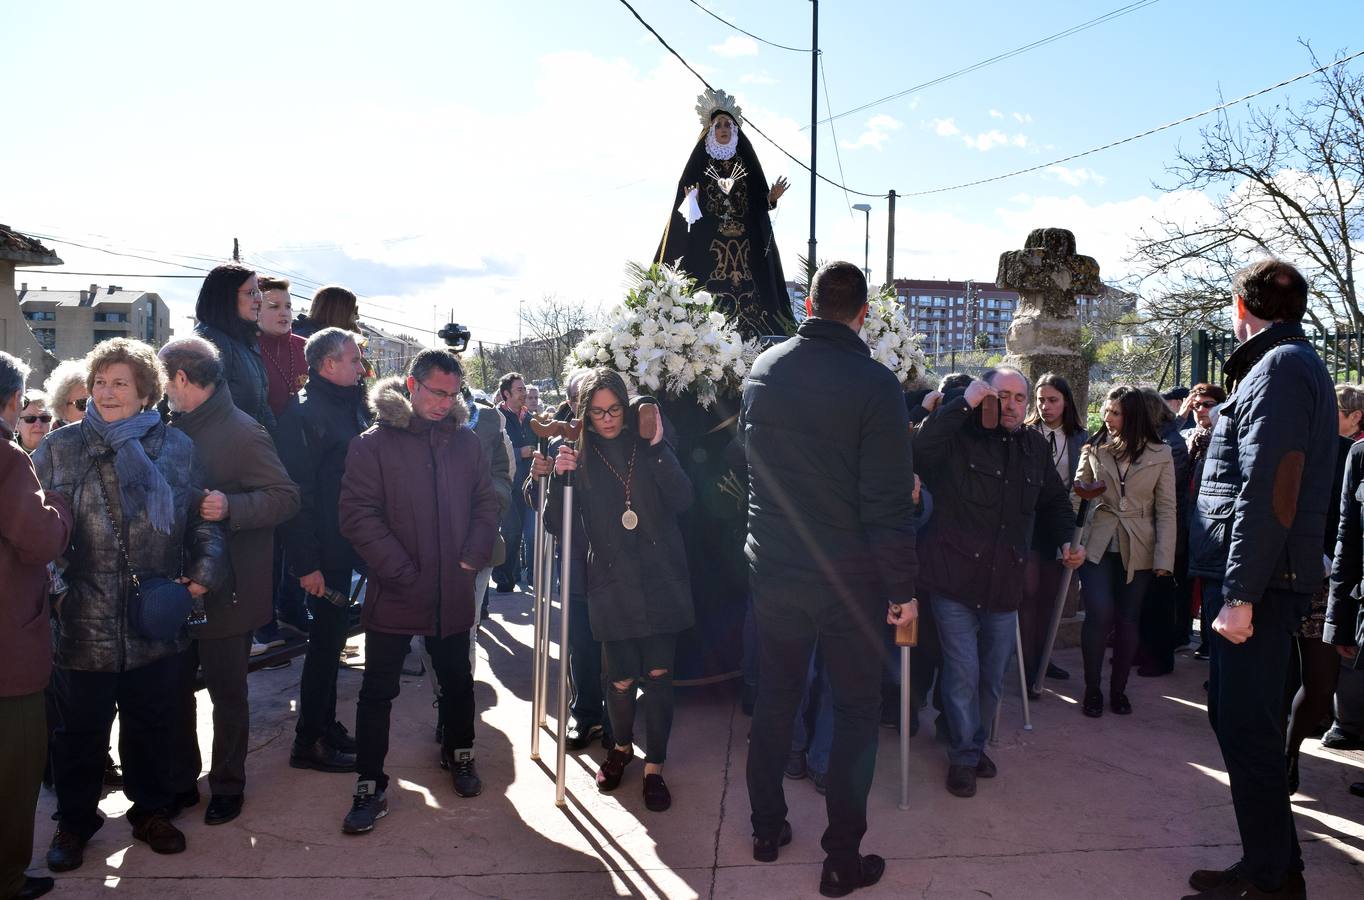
257, 648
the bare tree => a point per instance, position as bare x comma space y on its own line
1290, 180
555, 327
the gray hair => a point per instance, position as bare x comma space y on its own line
327, 344
13, 374
194, 356
572, 383
66, 376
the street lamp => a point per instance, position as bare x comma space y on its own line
866, 247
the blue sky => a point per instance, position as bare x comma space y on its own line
468, 156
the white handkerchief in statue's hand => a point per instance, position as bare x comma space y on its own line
690, 209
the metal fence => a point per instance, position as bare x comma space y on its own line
1200, 356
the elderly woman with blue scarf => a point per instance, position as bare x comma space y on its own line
136, 488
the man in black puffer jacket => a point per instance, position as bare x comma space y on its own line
830, 546
313, 436
1256, 538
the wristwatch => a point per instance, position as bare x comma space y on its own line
1236, 603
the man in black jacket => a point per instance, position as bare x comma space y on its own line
313, 437
1256, 538
990, 481
831, 555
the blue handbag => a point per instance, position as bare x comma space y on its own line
158, 607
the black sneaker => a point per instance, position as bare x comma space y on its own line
464, 774
580, 738
961, 781
368, 806
1337, 738
986, 767
795, 765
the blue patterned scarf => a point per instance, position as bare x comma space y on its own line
142, 488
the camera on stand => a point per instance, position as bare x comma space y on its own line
456, 336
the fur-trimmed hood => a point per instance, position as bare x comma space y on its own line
392, 407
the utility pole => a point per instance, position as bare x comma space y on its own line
236, 251
890, 240
814, 139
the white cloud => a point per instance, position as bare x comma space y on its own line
944, 127
876, 134
1023, 118
735, 46
914, 102
986, 139
996, 114
757, 78
1076, 177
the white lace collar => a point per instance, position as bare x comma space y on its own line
718, 150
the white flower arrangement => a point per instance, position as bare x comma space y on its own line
669, 338
892, 339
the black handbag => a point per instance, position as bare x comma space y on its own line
158, 607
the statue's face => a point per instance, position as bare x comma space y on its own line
724, 129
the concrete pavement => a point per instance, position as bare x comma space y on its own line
1115, 807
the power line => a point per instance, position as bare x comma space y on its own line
1147, 133
824, 77
749, 123
749, 33
1000, 57
108, 274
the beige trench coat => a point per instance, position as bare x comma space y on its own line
1145, 524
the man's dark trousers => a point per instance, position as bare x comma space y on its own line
791, 617
1245, 706
224, 662
23, 751
326, 640
384, 654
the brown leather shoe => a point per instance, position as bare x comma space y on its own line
159, 834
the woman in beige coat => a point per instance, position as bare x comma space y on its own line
1132, 537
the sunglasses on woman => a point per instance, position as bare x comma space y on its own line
45, 418
79, 404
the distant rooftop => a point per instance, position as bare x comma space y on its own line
109, 294
20, 248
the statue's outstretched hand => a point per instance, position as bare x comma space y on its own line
778, 188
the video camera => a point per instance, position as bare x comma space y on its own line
456, 336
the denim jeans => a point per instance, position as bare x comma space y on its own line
976, 646
814, 728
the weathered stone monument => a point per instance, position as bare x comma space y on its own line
1045, 335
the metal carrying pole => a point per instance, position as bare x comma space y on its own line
540, 661
1022, 674
570, 432
906, 636
1087, 493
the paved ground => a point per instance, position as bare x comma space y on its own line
1119, 807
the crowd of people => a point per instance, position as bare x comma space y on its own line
169, 513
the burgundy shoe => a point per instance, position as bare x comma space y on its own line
657, 797
612, 768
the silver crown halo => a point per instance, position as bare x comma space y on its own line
712, 101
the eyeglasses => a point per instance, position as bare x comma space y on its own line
255, 293
1205, 404
439, 395
614, 411
79, 404
45, 418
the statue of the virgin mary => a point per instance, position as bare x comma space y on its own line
719, 228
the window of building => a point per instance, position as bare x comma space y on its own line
101, 335
40, 315
111, 317
47, 338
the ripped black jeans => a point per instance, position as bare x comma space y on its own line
633, 660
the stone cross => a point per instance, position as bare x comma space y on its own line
1045, 334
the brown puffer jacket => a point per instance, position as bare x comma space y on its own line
416, 501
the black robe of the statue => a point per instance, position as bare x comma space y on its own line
730, 251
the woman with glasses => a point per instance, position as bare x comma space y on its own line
226, 312
66, 393
35, 421
628, 495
